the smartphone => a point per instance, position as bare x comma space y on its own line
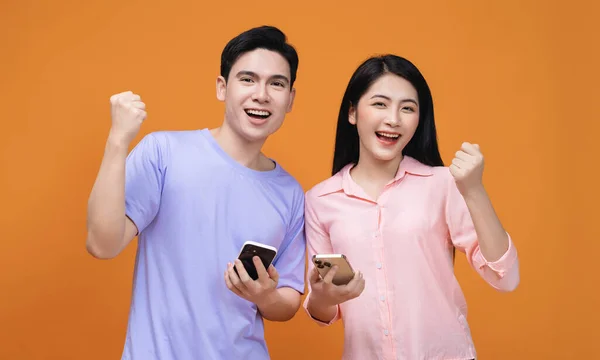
250, 249
324, 262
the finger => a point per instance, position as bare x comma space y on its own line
273, 274
469, 148
260, 268
330, 274
462, 155
230, 285
354, 282
358, 284
235, 279
135, 97
361, 287
455, 170
140, 113
242, 273
314, 276
124, 94
139, 105
460, 163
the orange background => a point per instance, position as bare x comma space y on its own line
518, 77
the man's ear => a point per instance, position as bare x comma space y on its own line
221, 88
352, 115
292, 97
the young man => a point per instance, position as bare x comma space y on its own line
194, 197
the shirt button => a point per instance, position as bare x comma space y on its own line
382, 298
385, 332
378, 265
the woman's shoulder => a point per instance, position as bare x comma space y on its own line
437, 172
327, 186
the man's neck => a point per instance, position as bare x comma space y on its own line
241, 150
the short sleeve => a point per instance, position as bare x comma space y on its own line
318, 242
144, 176
502, 274
291, 257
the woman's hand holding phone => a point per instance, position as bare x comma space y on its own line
325, 293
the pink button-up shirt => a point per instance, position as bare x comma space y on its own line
412, 306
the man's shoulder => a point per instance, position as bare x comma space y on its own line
164, 137
290, 182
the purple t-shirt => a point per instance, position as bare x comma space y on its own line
194, 207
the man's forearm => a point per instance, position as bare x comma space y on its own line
106, 204
282, 305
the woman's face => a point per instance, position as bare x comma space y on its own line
386, 118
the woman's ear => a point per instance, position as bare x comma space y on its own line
352, 115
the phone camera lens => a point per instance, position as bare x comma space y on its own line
318, 262
327, 264
320, 266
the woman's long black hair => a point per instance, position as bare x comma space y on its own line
423, 146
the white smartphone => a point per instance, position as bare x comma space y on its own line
324, 262
266, 253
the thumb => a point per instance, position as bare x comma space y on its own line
314, 276
330, 274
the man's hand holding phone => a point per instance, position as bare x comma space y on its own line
254, 278
260, 291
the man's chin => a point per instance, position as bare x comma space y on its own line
254, 135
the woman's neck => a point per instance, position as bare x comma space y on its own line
373, 175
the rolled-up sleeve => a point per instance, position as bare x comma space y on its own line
317, 242
502, 274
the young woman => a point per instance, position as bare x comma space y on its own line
397, 213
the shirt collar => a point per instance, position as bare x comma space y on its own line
342, 181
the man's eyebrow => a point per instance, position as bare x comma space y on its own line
246, 72
253, 74
281, 77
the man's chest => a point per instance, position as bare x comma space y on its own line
226, 207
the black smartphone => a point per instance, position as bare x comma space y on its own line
250, 249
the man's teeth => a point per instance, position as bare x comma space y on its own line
258, 112
389, 136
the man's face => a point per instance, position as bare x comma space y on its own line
257, 94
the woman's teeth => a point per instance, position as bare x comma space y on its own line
388, 136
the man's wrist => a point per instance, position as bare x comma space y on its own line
268, 300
